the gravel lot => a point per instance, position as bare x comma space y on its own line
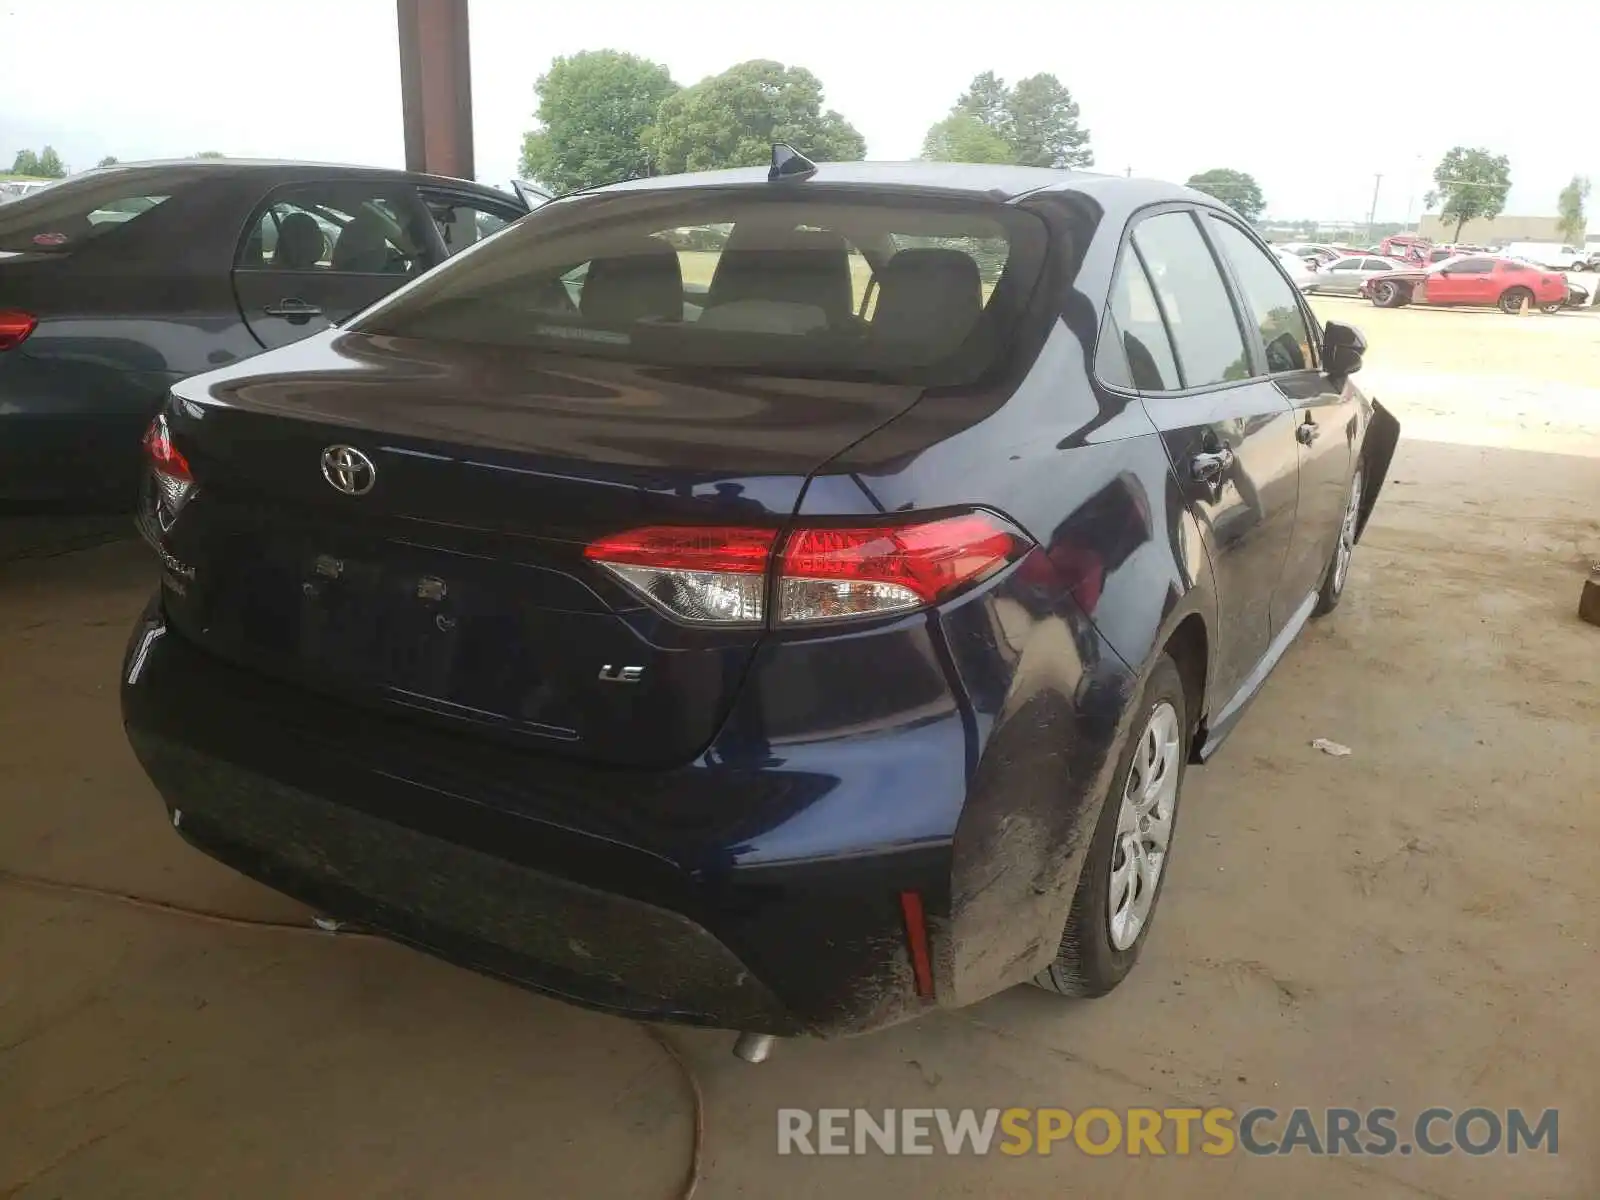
1411, 925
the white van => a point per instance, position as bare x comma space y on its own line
1553, 255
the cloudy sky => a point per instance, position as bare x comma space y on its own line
1313, 99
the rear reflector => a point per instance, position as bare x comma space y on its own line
917, 942
15, 327
718, 574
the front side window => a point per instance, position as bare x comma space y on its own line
1471, 266
344, 228
829, 284
1269, 297
463, 221
1194, 300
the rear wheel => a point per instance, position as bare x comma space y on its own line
1126, 863
1387, 295
1511, 299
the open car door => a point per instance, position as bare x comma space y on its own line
530, 194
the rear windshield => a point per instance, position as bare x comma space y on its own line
833, 284
65, 216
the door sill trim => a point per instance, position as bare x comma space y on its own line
1216, 732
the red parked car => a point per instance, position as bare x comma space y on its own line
1479, 279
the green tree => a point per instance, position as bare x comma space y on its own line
1044, 125
1037, 120
594, 108
1235, 188
50, 164
1472, 183
109, 160
1570, 207
732, 119
961, 137
26, 163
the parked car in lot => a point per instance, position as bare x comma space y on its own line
796, 655
116, 283
16, 189
1347, 276
1298, 270
1552, 256
1478, 279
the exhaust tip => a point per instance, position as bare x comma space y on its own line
753, 1047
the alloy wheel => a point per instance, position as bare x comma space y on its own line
1347, 536
1144, 825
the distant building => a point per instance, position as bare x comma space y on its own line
1496, 231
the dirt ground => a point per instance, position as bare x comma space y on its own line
1411, 925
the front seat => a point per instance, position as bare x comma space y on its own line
930, 298
300, 243
363, 245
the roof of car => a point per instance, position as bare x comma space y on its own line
233, 167
994, 181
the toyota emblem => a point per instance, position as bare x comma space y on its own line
348, 470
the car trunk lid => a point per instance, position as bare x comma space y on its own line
405, 523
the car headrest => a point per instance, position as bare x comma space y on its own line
930, 296
634, 281
798, 266
300, 243
363, 245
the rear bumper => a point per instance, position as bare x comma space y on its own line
635, 893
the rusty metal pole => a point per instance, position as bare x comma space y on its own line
436, 86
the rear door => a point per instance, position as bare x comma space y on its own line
1229, 433
1344, 277
1326, 420
315, 254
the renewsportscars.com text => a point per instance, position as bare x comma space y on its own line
1162, 1131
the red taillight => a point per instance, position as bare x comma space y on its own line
169, 470
713, 574
831, 573
718, 574
15, 327
163, 455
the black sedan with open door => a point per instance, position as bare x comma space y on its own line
117, 283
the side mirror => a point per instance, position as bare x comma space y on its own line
1343, 347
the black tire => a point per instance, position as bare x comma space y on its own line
1511, 300
1335, 578
1388, 295
1087, 962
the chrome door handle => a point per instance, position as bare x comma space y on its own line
1307, 433
294, 311
1211, 465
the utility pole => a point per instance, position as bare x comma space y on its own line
1372, 215
1129, 172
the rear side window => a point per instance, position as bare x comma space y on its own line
67, 215
1146, 361
1269, 298
1194, 300
830, 284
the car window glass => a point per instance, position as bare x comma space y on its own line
1269, 297
463, 222
1347, 264
1378, 264
338, 228
65, 216
1143, 359
1472, 266
1205, 330
771, 282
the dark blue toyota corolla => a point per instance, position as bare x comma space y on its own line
783, 600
